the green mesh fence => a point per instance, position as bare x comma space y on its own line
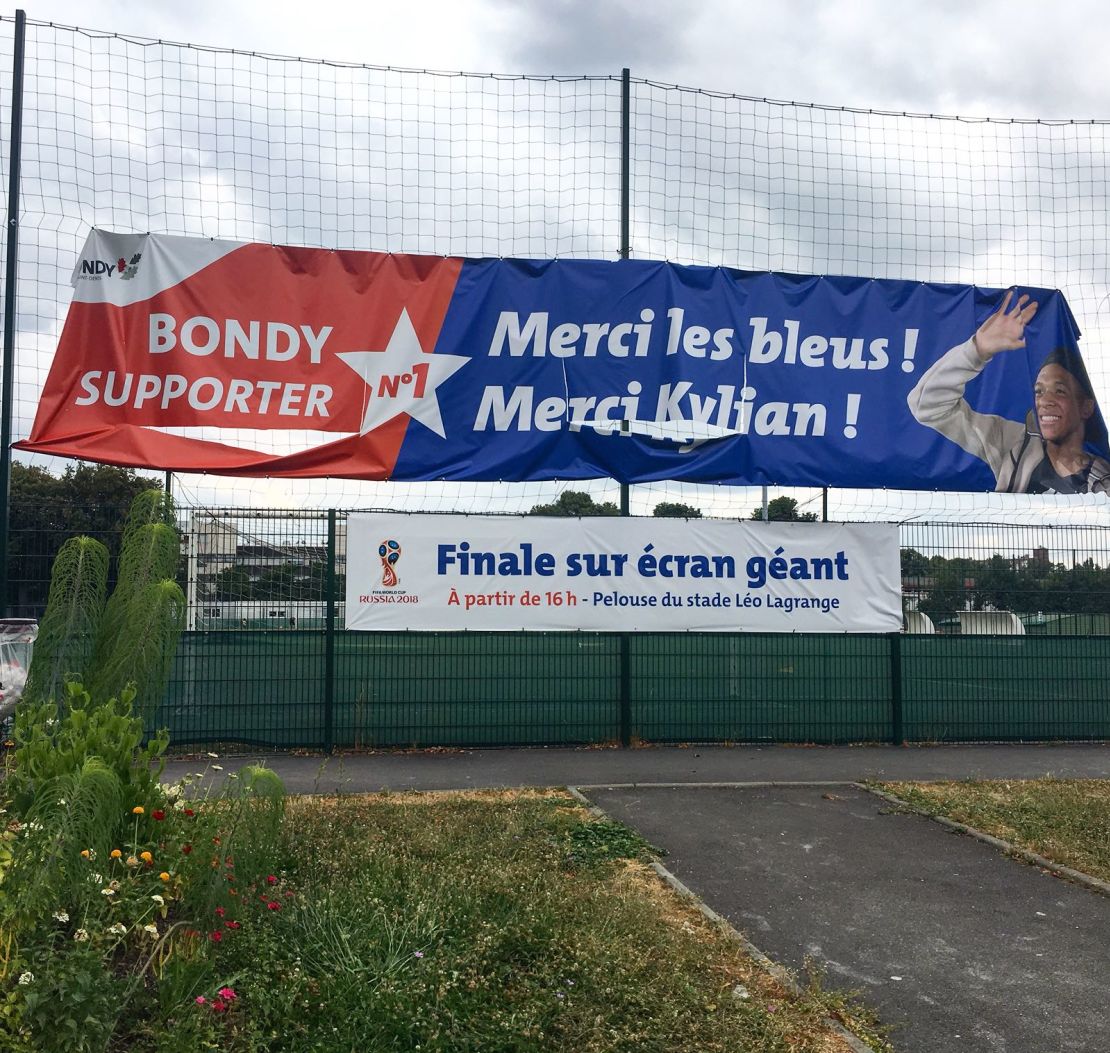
258, 667
761, 687
969, 688
267, 689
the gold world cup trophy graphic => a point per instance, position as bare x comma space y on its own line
390, 553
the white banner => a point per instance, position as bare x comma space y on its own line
435, 572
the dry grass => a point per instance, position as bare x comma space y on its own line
554, 933
1065, 820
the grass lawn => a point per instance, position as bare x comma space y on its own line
1065, 820
485, 922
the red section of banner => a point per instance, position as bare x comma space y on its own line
351, 457
252, 341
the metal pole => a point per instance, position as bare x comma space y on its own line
625, 692
766, 514
824, 504
192, 547
625, 488
626, 158
14, 159
329, 641
626, 249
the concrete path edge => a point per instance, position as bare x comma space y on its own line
725, 927
1009, 849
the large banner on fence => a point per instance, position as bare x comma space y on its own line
250, 359
429, 572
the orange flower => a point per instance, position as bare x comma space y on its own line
138, 810
146, 857
85, 853
115, 853
164, 876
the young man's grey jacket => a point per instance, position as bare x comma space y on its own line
1013, 450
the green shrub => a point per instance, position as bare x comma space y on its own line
141, 653
53, 741
132, 638
116, 892
67, 631
148, 557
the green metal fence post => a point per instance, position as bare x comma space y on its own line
329, 641
15, 146
625, 692
896, 735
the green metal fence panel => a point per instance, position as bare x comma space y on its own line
475, 689
1005, 688
394, 689
761, 687
247, 687
492, 689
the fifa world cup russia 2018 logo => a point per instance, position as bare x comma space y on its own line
390, 553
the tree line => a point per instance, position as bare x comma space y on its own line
578, 503
91, 499
1027, 584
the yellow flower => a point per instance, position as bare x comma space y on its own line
164, 876
116, 853
138, 810
146, 857
86, 854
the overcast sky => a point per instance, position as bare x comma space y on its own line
969, 58
965, 57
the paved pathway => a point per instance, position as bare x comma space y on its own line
463, 769
956, 945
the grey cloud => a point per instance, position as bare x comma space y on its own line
951, 57
588, 36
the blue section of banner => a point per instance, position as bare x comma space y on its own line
733, 377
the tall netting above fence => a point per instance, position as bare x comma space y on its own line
762, 185
139, 135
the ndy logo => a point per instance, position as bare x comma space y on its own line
97, 269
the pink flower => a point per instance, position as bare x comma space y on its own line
273, 905
220, 912
227, 994
231, 925
271, 880
219, 1006
201, 1000
216, 936
158, 815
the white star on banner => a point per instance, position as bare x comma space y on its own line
402, 379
